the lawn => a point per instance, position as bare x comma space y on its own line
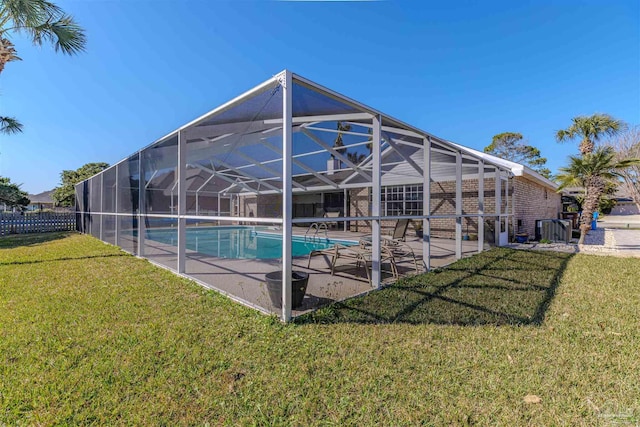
91, 335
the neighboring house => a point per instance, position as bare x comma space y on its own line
625, 206
41, 201
624, 203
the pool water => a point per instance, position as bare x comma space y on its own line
241, 242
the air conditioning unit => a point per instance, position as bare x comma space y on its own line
556, 230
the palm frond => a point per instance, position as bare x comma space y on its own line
623, 164
564, 135
566, 179
65, 35
591, 128
26, 14
7, 52
599, 164
9, 125
44, 22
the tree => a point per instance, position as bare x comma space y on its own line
338, 143
355, 157
9, 125
65, 194
509, 146
627, 145
43, 22
11, 194
607, 201
592, 171
590, 129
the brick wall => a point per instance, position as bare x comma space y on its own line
533, 201
443, 200
261, 206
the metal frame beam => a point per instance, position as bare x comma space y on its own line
101, 202
409, 160
116, 206
224, 177
336, 153
426, 205
302, 165
287, 202
182, 201
368, 160
142, 187
458, 205
269, 169
480, 206
248, 175
498, 205
325, 118
376, 182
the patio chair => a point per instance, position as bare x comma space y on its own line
332, 215
395, 245
329, 252
400, 230
399, 250
398, 235
362, 255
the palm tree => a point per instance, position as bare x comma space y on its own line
43, 22
338, 143
355, 157
590, 129
9, 125
341, 127
592, 171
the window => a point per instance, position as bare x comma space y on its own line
402, 200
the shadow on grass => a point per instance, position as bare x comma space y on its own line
17, 240
498, 287
39, 261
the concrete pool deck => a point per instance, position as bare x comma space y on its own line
244, 279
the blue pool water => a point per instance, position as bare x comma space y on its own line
240, 242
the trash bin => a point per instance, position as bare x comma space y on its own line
594, 222
299, 281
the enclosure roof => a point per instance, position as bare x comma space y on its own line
238, 142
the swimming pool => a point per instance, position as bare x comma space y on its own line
241, 242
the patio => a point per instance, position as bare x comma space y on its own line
244, 279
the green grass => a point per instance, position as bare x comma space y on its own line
90, 335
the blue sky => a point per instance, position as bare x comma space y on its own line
464, 71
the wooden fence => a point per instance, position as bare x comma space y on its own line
17, 223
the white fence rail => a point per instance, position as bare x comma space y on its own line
16, 223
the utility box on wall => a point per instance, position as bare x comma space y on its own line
556, 230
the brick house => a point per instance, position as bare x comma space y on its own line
531, 197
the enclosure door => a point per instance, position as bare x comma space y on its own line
503, 223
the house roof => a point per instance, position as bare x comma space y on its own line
44, 197
516, 168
